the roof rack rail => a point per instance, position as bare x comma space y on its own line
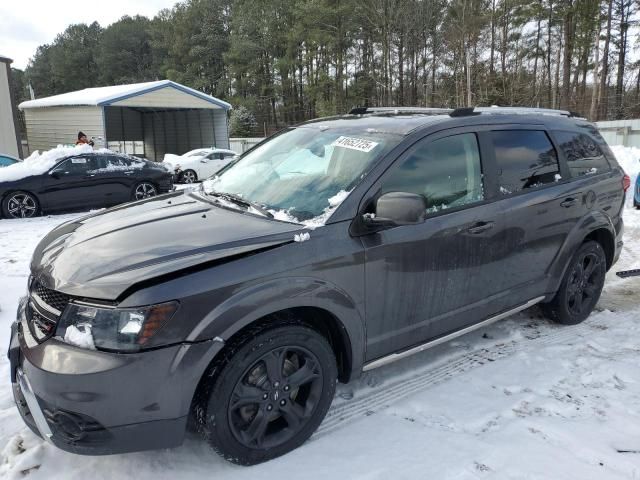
464, 112
398, 110
469, 111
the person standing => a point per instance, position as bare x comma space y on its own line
83, 140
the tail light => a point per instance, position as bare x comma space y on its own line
626, 182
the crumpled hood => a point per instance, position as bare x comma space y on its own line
104, 254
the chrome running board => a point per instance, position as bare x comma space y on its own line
432, 343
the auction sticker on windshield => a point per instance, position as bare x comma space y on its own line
359, 144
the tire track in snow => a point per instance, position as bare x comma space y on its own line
376, 400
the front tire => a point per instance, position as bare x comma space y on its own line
581, 286
20, 205
189, 176
271, 393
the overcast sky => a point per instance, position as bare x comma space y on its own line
26, 24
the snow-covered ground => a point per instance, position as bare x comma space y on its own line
521, 399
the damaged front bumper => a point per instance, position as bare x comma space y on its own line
95, 403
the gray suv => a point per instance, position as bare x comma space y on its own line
327, 250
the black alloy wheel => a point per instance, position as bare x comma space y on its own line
20, 205
270, 396
275, 397
581, 286
584, 283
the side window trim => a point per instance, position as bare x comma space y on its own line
489, 165
565, 172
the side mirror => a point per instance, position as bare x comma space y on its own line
397, 208
55, 174
204, 160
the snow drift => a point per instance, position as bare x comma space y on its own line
628, 158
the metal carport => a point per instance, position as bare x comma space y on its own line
146, 119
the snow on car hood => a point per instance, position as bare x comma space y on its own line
104, 254
37, 163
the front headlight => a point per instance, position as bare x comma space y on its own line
119, 329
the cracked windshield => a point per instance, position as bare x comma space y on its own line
301, 175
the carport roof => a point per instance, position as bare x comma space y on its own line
104, 96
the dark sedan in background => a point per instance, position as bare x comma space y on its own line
90, 180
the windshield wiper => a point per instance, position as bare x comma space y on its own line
238, 200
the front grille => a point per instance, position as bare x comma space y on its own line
41, 327
44, 310
52, 298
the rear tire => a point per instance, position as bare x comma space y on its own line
581, 286
20, 205
267, 394
144, 190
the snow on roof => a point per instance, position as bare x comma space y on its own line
100, 96
37, 164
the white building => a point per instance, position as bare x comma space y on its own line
621, 132
9, 136
147, 119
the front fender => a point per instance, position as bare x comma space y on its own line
592, 221
257, 301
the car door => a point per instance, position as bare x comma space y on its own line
70, 185
117, 178
429, 279
539, 204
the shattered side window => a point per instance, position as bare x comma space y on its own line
584, 156
446, 172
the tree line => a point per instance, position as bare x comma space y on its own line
286, 61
